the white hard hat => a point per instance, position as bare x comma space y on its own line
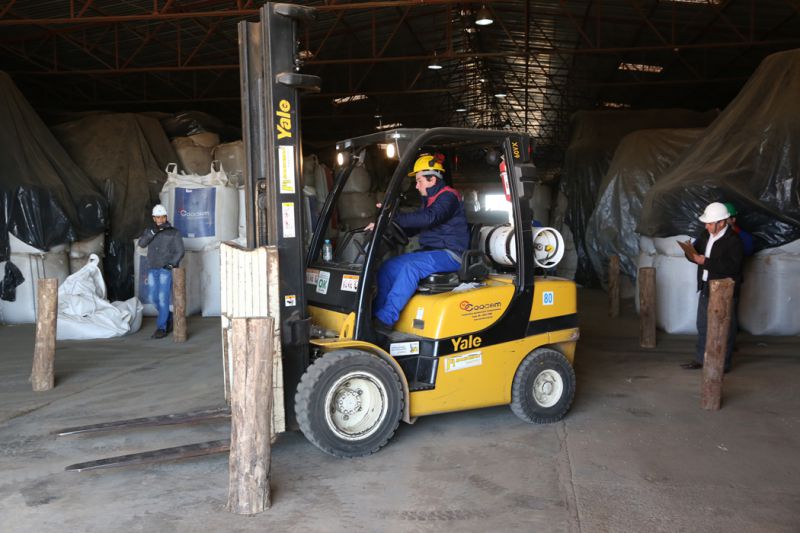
714, 212
159, 210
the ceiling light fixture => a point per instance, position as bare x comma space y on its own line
349, 99
461, 109
434, 64
500, 94
483, 17
389, 126
641, 67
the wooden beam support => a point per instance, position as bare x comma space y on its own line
179, 304
720, 307
613, 286
647, 307
251, 415
44, 352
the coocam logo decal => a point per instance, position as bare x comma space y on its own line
193, 214
468, 306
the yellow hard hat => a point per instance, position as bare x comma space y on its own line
427, 163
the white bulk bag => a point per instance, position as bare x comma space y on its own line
205, 209
84, 312
770, 292
209, 281
33, 266
676, 294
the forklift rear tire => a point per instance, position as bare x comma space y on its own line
349, 403
543, 387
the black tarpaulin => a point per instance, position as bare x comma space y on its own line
749, 156
595, 136
124, 154
45, 198
640, 160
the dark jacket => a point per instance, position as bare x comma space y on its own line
725, 261
164, 245
441, 222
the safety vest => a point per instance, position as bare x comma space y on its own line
446, 188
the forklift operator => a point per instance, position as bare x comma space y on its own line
442, 227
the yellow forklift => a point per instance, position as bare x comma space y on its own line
493, 333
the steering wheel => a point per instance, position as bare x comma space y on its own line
394, 235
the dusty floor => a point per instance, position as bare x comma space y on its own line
636, 453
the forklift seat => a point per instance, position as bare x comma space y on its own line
474, 267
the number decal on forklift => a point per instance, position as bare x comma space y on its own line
548, 298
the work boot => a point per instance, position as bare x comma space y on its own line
159, 334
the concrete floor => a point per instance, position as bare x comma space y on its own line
636, 453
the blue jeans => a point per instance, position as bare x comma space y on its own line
159, 284
399, 276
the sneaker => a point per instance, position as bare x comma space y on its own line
159, 334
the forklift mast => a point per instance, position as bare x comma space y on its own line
273, 171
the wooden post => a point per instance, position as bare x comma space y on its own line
647, 307
44, 352
179, 304
613, 286
251, 415
720, 307
226, 374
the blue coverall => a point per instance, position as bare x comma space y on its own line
442, 227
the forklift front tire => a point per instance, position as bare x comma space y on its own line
349, 403
543, 387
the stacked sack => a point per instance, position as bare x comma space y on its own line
195, 152
356, 204
231, 157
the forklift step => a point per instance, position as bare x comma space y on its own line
190, 417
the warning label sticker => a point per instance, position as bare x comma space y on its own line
460, 362
288, 220
350, 283
312, 275
404, 348
286, 169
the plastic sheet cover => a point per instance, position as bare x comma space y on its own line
45, 198
124, 155
595, 136
639, 161
189, 123
749, 156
